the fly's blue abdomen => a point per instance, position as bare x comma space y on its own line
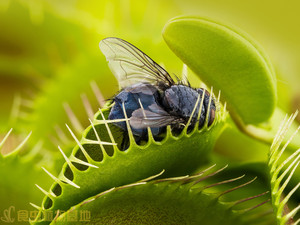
131, 96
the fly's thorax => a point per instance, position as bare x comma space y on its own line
209, 104
207, 97
180, 100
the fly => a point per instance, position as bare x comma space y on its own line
149, 95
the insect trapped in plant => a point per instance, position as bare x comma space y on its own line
150, 96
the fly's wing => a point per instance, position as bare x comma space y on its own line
155, 116
130, 65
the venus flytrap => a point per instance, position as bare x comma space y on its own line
177, 200
97, 164
5, 138
281, 174
18, 174
114, 182
232, 62
228, 60
14, 152
139, 184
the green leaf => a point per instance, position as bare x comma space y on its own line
48, 107
96, 166
180, 200
18, 175
229, 61
281, 174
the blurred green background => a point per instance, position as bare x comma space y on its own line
49, 52
49, 56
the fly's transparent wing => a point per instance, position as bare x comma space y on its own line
144, 118
130, 65
154, 117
